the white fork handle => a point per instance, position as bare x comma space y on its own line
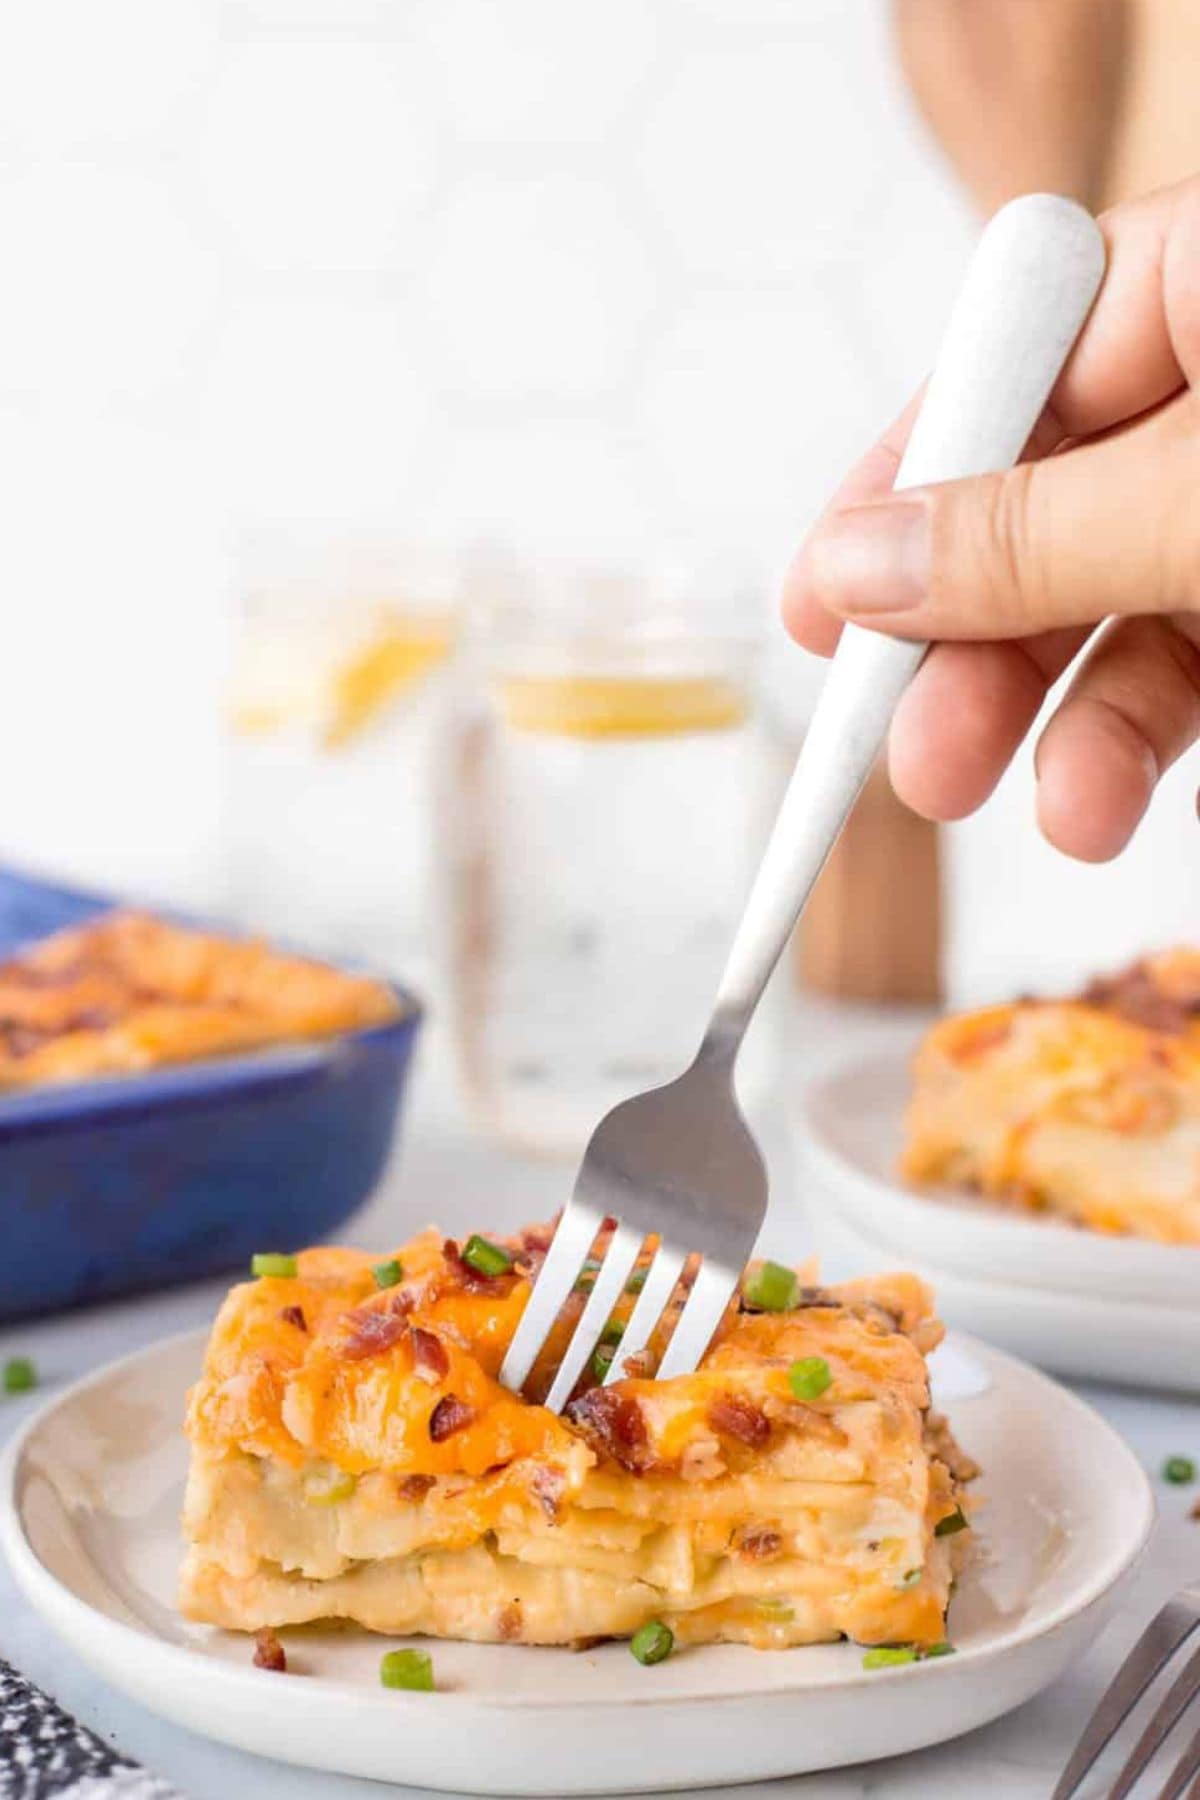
1027, 292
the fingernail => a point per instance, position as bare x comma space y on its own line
871, 559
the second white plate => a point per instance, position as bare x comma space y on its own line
89, 1504
1115, 1309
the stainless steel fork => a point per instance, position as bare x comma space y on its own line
679, 1161
1166, 1634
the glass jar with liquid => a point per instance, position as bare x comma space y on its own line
607, 796
340, 657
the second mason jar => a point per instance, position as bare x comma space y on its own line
607, 803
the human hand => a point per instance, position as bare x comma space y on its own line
1013, 575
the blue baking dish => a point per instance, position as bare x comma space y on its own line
133, 1182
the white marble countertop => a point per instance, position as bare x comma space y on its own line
448, 1174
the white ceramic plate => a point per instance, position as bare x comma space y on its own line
89, 1500
1117, 1309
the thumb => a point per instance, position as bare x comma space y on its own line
1108, 527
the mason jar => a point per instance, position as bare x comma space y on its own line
606, 802
339, 664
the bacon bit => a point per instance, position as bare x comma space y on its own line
738, 1418
448, 1416
402, 1302
534, 1244
615, 1425
373, 1332
294, 1315
1195, 1512
431, 1360
415, 1487
509, 1622
758, 1543
1136, 996
269, 1652
638, 1364
548, 1486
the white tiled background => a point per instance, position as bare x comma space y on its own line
580, 274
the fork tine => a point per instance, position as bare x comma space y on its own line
1157, 1645
1183, 1771
661, 1277
700, 1317
1179, 1697
611, 1277
573, 1238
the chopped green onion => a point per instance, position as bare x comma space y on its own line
407, 1669
909, 1579
771, 1288
387, 1274
270, 1262
652, 1642
1179, 1470
586, 1279
952, 1523
637, 1281
776, 1610
889, 1656
19, 1375
328, 1489
603, 1354
809, 1378
486, 1258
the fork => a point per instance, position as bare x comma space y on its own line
679, 1161
1166, 1634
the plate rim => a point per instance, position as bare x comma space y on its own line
58, 1604
981, 1216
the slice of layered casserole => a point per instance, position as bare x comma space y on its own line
354, 1457
1087, 1107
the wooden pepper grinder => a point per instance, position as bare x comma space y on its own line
873, 927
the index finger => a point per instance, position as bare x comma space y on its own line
1141, 342
873, 475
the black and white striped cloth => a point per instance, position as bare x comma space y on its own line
45, 1754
